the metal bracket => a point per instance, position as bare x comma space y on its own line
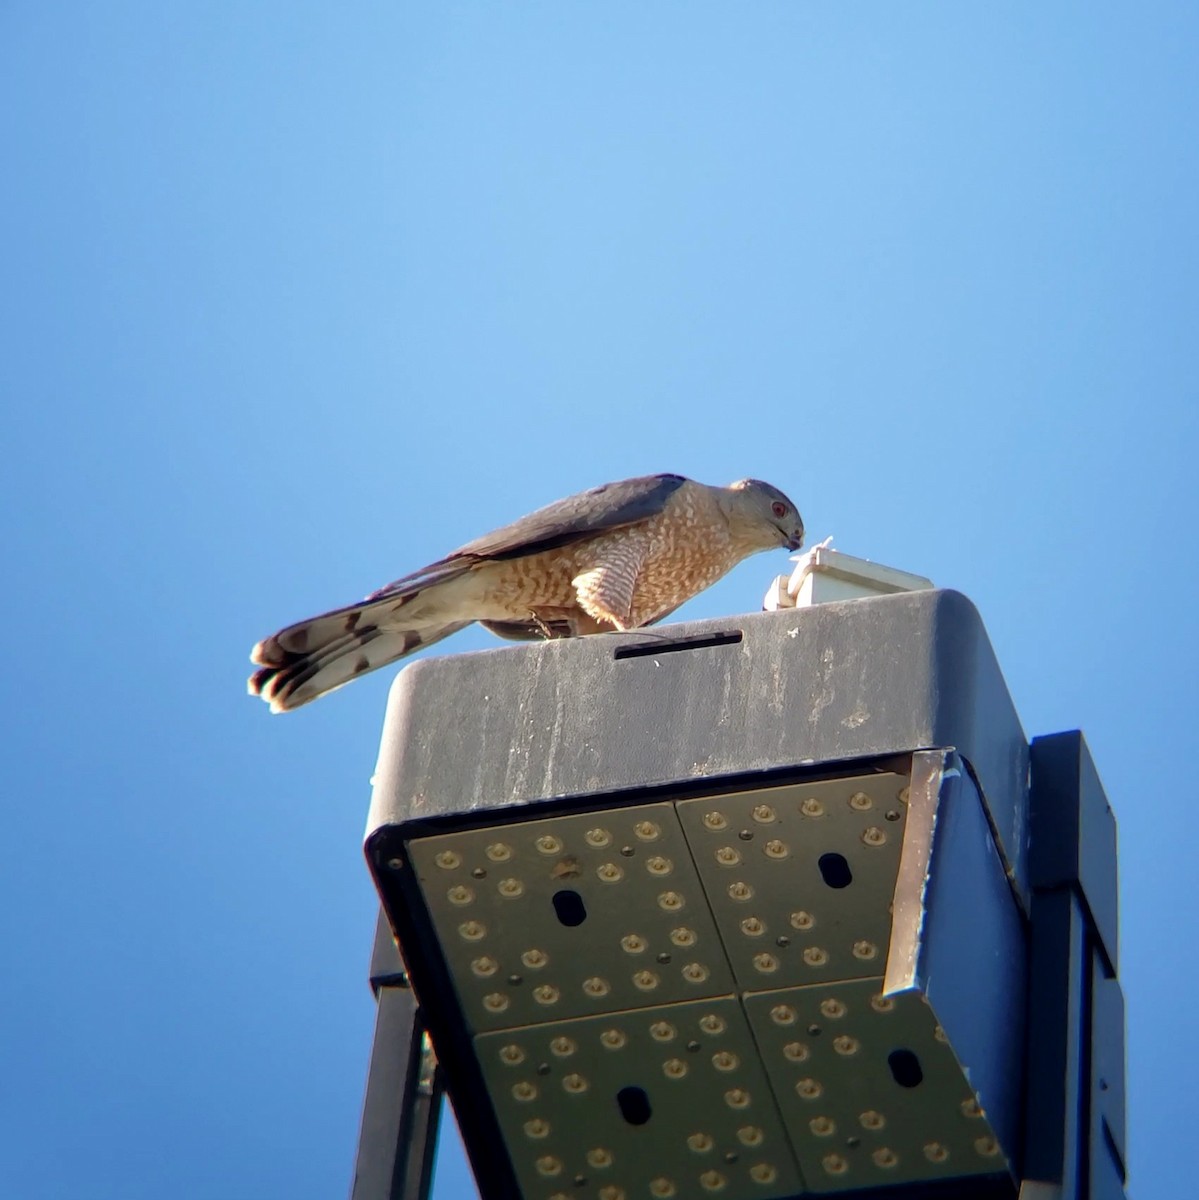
401, 1111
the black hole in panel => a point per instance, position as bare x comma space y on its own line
905, 1068
570, 908
659, 645
835, 870
634, 1105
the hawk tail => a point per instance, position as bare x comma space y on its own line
313, 657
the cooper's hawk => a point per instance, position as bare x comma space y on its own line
618, 556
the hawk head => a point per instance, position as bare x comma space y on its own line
761, 508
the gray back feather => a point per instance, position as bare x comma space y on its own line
578, 517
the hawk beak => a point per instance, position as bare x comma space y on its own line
796, 542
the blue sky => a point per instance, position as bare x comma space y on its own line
298, 297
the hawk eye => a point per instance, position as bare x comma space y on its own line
778, 508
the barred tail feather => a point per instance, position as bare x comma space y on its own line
313, 657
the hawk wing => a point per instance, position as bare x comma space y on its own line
575, 519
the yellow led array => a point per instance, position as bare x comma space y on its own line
721, 961
541, 916
696, 1069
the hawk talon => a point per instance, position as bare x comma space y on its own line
546, 632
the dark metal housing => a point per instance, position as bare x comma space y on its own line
767, 907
